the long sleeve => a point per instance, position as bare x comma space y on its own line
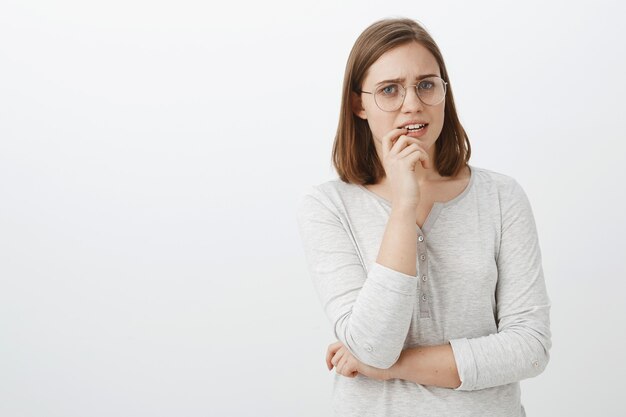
370, 311
520, 348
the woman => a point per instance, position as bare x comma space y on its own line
428, 268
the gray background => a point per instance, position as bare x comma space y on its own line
151, 155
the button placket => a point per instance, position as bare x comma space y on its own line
424, 305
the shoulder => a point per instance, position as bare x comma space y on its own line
329, 195
498, 180
497, 184
510, 196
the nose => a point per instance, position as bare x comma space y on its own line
411, 101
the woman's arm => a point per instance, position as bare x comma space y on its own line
427, 365
520, 348
398, 249
370, 310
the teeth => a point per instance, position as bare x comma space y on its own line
415, 126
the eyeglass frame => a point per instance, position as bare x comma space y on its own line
445, 91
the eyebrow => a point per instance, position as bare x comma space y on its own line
395, 80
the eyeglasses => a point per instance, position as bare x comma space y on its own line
390, 97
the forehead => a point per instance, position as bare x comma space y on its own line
407, 61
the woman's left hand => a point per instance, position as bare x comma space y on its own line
347, 365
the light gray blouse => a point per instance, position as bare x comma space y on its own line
479, 286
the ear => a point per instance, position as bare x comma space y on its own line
357, 106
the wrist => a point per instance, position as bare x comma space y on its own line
395, 371
404, 207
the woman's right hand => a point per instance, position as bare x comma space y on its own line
401, 154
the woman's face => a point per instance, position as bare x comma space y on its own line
409, 63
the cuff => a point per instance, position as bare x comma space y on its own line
392, 280
465, 364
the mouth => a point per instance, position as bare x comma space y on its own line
415, 127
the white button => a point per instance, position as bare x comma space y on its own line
536, 364
424, 278
421, 238
423, 257
424, 297
368, 347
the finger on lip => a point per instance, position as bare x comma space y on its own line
398, 130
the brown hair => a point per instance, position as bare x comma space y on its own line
354, 154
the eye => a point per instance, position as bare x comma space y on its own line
426, 85
389, 90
